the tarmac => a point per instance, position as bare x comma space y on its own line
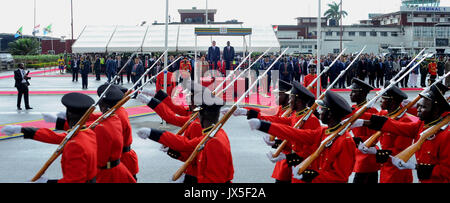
20, 159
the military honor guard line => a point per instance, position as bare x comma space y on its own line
312, 138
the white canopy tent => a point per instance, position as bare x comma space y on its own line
127, 39
93, 39
101, 39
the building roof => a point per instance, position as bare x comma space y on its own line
194, 10
181, 37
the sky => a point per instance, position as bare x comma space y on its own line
17, 13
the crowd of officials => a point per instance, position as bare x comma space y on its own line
376, 69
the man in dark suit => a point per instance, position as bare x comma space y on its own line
75, 65
228, 55
137, 70
213, 56
85, 67
21, 83
111, 68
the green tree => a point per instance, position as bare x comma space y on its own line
24, 46
334, 12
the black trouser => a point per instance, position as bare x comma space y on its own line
75, 76
432, 78
282, 181
227, 65
380, 80
119, 79
97, 74
372, 78
405, 80
84, 80
190, 179
423, 78
366, 178
22, 90
128, 76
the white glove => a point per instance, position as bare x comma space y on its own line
224, 110
280, 157
240, 112
366, 150
49, 118
41, 180
295, 172
405, 102
143, 99
144, 133
61, 115
164, 149
400, 164
266, 138
357, 123
11, 129
254, 123
149, 92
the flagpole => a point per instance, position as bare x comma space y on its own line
34, 20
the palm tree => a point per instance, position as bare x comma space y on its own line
24, 46
334, 12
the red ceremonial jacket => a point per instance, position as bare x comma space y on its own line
282, 171
79, 157
388, 172
335, 163
214, 162
109, 148
434, 151
192, 131
365, 163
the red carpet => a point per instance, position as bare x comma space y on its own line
31, 73
49, 92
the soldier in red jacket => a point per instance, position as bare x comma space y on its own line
214, 162
300, 99
391, 144
110, 141
111, 145
335, 163
161, 104
366, 168
433, 158
79, 157
129, 157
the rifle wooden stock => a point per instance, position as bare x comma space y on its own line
373, 139
308, 161
200, 145
406, 154
299, 124
219, 125
72, 132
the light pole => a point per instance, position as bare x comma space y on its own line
319, 37
71, 18
342, 28
165, 46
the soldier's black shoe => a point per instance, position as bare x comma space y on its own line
28, 108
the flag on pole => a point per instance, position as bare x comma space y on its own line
48, 29
18, 33
36, 29
275, 28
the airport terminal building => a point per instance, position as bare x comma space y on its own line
408, 30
